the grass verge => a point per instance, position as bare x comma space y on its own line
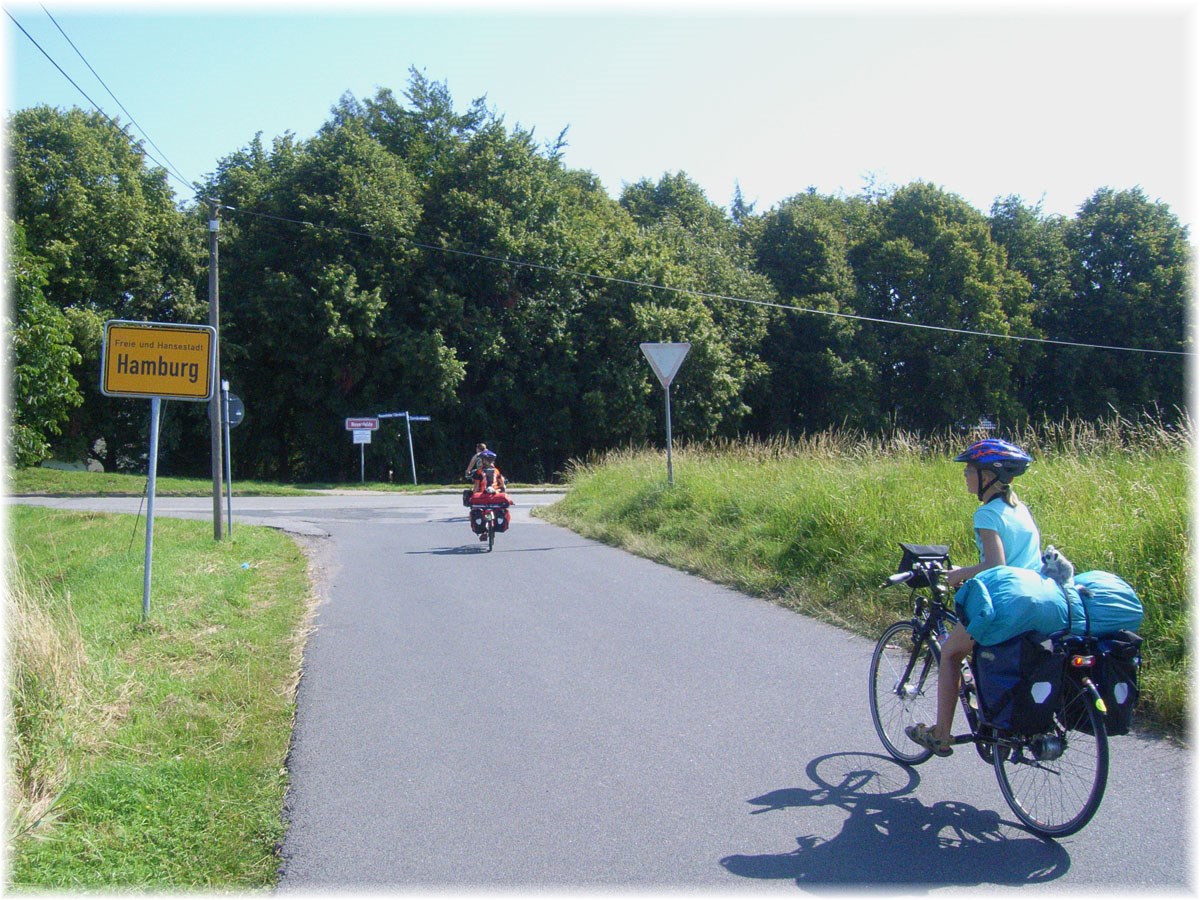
148, 754
814, 524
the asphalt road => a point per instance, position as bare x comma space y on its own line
558, 714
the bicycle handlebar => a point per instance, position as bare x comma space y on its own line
928, 569
898, 578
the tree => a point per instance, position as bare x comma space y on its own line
40, 357
106, 225
712, 297
815, 382
675, 196
929, 265
113, 245
1131, 282
319, 316
1036, 248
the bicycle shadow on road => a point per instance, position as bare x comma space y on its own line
463, 550
890, 838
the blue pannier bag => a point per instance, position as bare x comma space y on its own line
1109, 603
1020, 683
1118, 659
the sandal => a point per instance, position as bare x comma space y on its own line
923, 735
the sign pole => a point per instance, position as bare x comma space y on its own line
665, 360
228, 461
214, 406
155, 406
362, 429
411, 456
670, 474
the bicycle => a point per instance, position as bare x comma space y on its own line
1053, 781
487, 515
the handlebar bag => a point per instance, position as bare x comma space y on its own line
1020, 683
915, 553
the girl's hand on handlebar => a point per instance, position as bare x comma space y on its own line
955, 577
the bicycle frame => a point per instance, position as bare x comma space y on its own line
932, 620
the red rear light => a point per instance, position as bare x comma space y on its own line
1083, 662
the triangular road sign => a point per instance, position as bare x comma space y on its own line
665, 359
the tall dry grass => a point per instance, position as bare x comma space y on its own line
48, 696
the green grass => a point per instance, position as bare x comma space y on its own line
814, 524
149, 754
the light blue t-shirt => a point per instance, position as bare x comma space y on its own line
1018, 533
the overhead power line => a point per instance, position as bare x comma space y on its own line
171, 166
94, 104
560, 270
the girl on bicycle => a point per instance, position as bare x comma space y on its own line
1006, 535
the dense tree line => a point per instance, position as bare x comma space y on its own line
410, 256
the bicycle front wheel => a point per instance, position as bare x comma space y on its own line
903, 689
1055, 782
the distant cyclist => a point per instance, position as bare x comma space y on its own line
475, 460
1006, 535
487, 477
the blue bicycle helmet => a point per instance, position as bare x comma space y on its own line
1006, 461
487, 454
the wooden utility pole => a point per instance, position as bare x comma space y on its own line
214, 405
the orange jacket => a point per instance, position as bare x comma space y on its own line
488, 477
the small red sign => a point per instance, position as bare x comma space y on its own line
360, 424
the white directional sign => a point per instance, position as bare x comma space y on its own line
665, 359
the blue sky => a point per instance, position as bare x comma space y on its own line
1048, 102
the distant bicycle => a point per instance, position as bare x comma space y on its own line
489, 514
1053, 781
492, 517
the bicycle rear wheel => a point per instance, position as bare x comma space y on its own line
1058, 793
903, 689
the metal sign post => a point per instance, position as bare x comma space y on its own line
233, 413
155, 410
409, 418
361, 429
228, 461
362, 437
665, 360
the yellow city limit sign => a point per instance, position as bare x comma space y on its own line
155, 359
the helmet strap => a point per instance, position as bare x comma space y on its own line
984, 488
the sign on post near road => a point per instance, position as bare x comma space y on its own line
665, 360
155, 359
